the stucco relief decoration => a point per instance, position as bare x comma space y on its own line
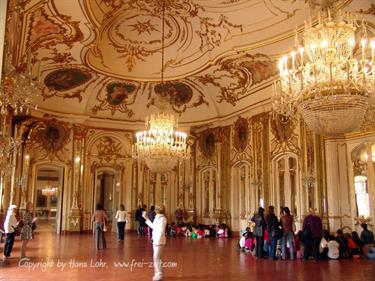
207, 143
117, 96
241, 134
285, 138
108, 149
132, 28
235, 76
60, 83
46, 30
50, 138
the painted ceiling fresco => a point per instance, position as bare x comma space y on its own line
101, 59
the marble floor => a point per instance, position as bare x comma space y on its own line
73, 257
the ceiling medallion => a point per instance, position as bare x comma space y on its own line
161, 145
324, 80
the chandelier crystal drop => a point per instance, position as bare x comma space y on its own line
325, 80
18, 89
161, 146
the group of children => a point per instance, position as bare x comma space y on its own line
332, 246
198, 231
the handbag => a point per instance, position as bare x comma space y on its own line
104, 228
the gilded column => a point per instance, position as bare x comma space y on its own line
77, 177
371, 181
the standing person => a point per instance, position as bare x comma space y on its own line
27, 229
273, 232
367, 237
121, 222
142, 222
158, 238
99, 219
138, 217
313, 232
151, 217
10, 225
287, 222
179, 213
260, 227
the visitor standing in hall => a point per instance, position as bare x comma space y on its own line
99, 219
27, 229
312, 234
273, 232
121, 222
158, 227
260, 227
10, 225
287, 223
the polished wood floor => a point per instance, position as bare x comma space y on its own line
73, 257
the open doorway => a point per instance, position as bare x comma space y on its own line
106, 192
48, 197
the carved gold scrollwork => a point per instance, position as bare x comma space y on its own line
108, 150
49, 137
285, 138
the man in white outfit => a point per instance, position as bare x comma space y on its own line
158, 238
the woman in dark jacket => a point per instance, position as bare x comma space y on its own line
260, 227
273, 232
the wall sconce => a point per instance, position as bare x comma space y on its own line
77, 159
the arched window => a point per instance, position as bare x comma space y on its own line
362, 199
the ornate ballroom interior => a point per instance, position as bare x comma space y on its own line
81, 77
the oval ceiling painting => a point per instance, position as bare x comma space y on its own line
178, 93
66, 79
118, 92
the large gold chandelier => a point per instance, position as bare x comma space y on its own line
161, 146
324, 80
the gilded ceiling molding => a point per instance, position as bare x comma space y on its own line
243, 71
41, 28
132, 29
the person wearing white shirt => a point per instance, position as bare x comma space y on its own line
121, 222
10, 225
158, 238
333, 249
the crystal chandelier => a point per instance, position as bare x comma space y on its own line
8, 146
49, 191
161, 145
18, 89
324, 80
